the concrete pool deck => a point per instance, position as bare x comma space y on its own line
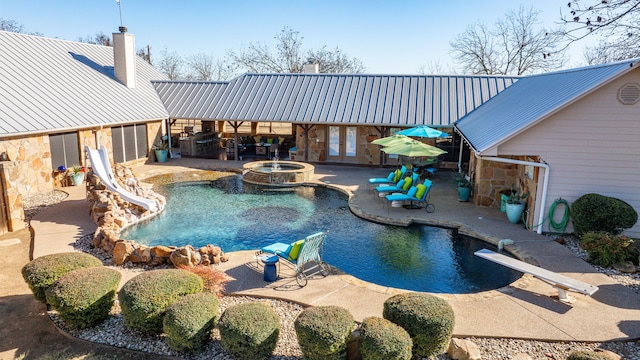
525, 309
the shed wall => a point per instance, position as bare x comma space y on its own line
592, 146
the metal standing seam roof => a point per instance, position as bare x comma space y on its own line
389, 100
49, 85
531, 99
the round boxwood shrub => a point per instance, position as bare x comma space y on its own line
42, 272
84, 297
594, 212
428, 319
323, 332
384, 340
189, 321
249, 331
145, 298
587, 355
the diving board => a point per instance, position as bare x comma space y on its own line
101, 166
560, 282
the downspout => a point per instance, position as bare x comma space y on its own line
545, 182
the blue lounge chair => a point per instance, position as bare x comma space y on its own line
402, 186
299, 254
393, 177
416, 195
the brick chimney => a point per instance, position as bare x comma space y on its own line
124, 57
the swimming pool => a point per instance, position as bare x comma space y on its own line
239, 216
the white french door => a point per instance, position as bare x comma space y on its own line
341, 143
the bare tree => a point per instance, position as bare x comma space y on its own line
170, 64
512, 47
435, 68
289, 57
145, 53
99, 38
14, 26
615, 22
335, 61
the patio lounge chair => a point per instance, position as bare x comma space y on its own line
300, 254
418, 194
393, 177
402, 186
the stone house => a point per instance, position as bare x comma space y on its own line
56, 97
559, 135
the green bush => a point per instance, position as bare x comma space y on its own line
384, 340
189, 321
323, 332
84, 297
587, 355
42, 272
428, 319
594, 212
249, 331
145, 298
605, 249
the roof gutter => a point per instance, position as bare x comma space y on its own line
545, 182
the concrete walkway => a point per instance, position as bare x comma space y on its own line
525, 309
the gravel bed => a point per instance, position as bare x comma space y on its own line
114, 332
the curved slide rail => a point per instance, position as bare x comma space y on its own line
102, 167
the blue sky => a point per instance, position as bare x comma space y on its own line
389, 37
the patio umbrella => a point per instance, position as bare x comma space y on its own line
391, 140
413, 148
424, 132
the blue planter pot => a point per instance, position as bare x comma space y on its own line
162, 155
76, 179
514, 212
464, 193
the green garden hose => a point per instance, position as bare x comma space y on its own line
557, 226
562, 225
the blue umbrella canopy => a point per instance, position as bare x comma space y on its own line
424, 132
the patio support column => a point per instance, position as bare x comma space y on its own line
305, 130
235, 126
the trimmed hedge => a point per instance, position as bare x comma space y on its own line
42, 272
145, 298
428, 319
323, 332
384, 340
594, 212
249, 331
189, 321
84, 297
587, 355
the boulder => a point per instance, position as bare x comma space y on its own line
461, 349
626, 267
162, 251
121, 251
610, 354
185, 256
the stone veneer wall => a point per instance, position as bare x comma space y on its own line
493, 177
25, 166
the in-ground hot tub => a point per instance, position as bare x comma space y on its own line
277, 173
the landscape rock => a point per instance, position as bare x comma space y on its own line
121, 252
461, 349
626, 267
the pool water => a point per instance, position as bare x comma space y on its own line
240, 216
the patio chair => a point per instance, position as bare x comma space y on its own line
393, 177
402, 186
416, 195
300, 254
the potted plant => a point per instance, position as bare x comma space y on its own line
464, 187
76, 174
515, 205
161, 148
